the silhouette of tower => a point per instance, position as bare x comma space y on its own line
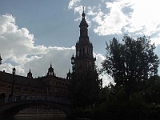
83, 59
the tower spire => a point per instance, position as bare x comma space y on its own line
83, 14
83, 21
83, 59
0, 59
83, 26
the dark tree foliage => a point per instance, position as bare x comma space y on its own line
152, 90
130, 62
84, 89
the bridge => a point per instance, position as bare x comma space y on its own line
12, 105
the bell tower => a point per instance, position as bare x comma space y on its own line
83, 59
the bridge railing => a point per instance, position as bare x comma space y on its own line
34, 98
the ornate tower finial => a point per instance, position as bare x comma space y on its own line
83, 14
0, 59
50, 70
50, 64
83, 9
29, 75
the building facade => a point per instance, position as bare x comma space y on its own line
17, 85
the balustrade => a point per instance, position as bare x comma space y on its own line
34, 98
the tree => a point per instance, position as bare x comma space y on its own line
130, 62
85, 89
152, 90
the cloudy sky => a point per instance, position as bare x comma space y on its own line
35, 33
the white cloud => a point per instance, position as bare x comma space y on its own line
112, 22
91, 11
145, 19
3, 23
78, 9
136, 17
106, 78
59, 57
18, 50
99, 59
16, 42
145, 16
118, 17
73, 3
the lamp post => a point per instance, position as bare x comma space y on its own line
0, 60
47, 93
13, 72
73, 63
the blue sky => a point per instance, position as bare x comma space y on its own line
35, 33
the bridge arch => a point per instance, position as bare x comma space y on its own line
12, 108
15, 108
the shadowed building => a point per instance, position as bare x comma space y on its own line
49, 84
